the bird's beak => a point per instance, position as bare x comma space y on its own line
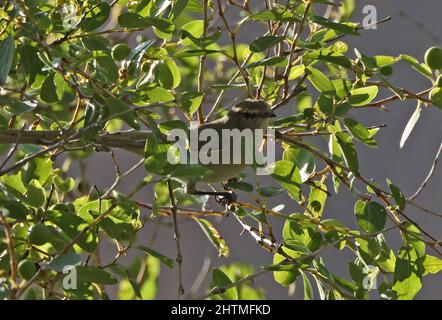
269, 114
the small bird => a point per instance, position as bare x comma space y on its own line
248, 114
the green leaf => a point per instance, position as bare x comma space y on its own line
65, 185
321, 82
6, 57
191, 101
195, 53
303, 160
240, 185
363, 96
360, 132
119, 106
136, 55
342, 87
108, 68
214, 236
95, 275
279, 61
14, 209
432, 265
202, 42
287, 175
407, 274
419, 67
69, 259
158, 94
36, 195
412, 237
329, 56
168, 74
166, 260
285, 277
382, 60
130, 288
134, 284
241, 212
316, 200
296, 245
340, 27
48, 92
116, 229
374, 250
371, 216
30, 61
96, 18
305, 235
329, 107
178, 7
14, 182
308, 289
220, 279
268, 191
38, 168
411, 124
348, 149
398, 196
297, 72
274, 14
134, 20
72, 225
263, 43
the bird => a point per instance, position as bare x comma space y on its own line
247, 114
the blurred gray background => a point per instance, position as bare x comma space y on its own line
415, 26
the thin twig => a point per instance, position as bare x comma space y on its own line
429, 175
121, 176
12, 257
202, 62
177, 236
205, 268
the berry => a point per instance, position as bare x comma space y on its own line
26, 269
386, 71
120, 51
433, 58
436, 97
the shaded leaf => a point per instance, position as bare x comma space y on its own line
263, 43
6, 57
167, 261
214, 236
371, 216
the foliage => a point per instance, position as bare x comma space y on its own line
67, 77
